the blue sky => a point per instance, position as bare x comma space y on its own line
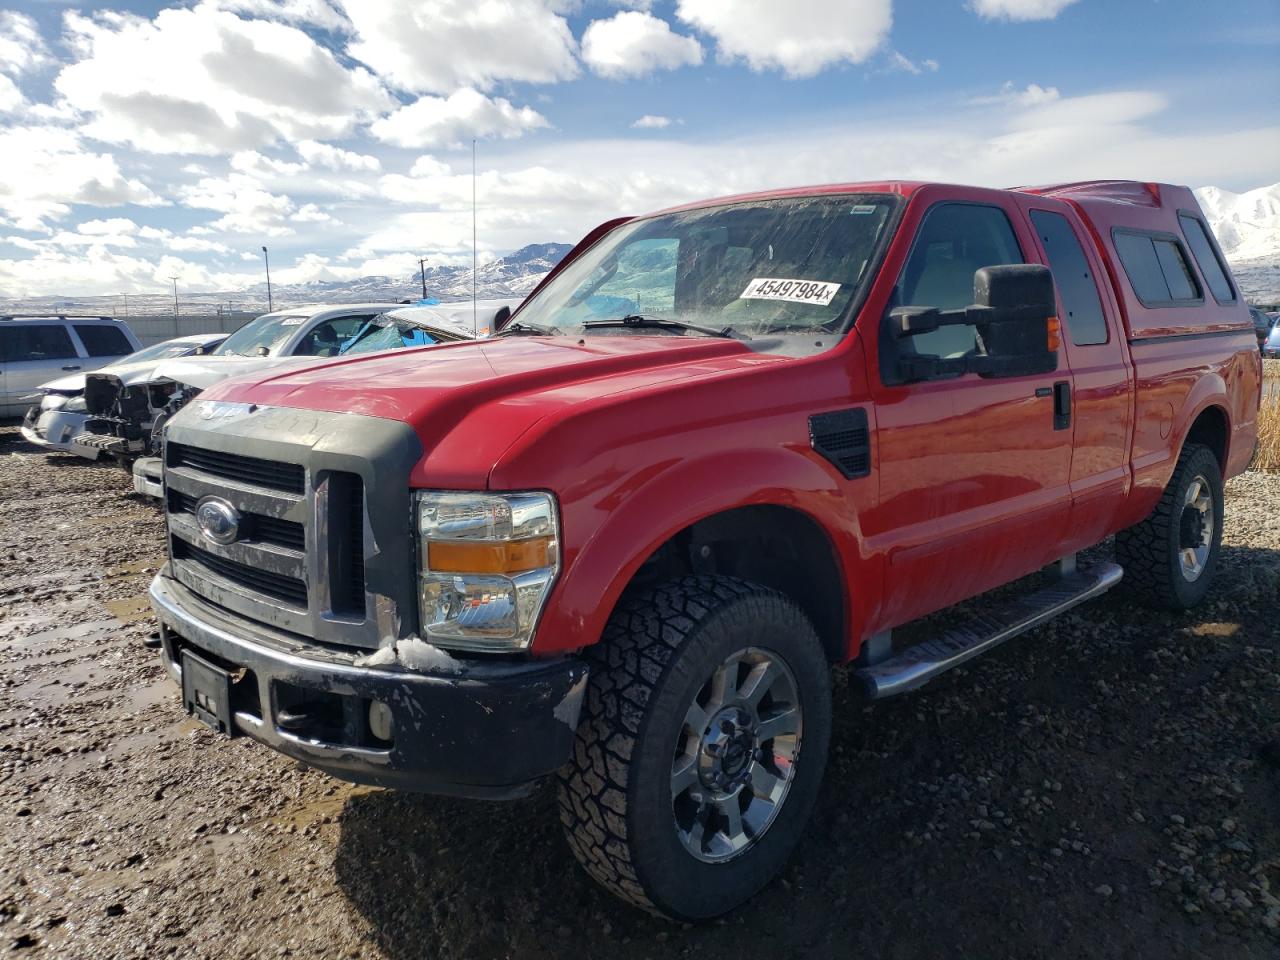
149, 140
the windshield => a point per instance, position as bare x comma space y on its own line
162, 351
269, 330
386, 333
757, 267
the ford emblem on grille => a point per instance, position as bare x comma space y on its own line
218, 520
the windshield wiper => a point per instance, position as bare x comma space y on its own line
524, 328
647, 320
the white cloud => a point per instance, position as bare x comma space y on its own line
1019, 9
310, 213
448, 121
651, 122
22, 49
255, 164
801, 38
428, 166
438, 46
309, 13
11, 97
246, 207
47, 169
205, 81
899, 61
1032, 95
632, 44
335, 158
113, 226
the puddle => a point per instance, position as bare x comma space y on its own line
316, 810
133, 610
40, 642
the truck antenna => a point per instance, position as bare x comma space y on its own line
475, 316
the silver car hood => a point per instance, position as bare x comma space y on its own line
137, 372
204, 372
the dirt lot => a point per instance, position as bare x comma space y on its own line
1108, 786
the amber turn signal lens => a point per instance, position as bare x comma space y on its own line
1055, 334
506, 558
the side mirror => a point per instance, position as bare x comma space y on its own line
1022, 335
263, 352
201, 350
1014, 312
500, 318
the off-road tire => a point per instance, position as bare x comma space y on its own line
1148, 551
614, 796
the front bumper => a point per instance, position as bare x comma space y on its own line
148, 478
490, 730
52, 429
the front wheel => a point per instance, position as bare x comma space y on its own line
702, 747
1169, 559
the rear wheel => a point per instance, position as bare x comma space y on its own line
1169, 559
702, 747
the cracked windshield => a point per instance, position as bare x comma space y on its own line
746, 270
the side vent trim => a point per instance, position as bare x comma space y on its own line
843, 437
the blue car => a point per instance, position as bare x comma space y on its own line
1271, 346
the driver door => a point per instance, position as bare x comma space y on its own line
974, 473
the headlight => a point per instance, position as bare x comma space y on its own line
486, 566
75, 405
52, 401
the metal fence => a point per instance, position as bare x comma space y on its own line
155, 329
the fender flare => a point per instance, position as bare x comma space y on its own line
682, 493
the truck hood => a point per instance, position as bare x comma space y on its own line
469, 401
204, 372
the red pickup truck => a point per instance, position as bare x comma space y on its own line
718, 449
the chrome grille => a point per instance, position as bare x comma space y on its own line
298, 562
288, 590
284, 533
288, 477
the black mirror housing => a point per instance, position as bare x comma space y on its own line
1013, 307
1015, 291
500, 318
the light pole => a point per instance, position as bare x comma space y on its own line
422, 266
267, 262
175, 299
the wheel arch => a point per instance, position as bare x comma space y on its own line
714, 501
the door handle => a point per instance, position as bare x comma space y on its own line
1062, 405
70, 368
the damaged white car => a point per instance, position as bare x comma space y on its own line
60, 413
128, 423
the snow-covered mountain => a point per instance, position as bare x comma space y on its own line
1247, 226
510, 276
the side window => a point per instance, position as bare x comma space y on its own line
101, 340
35, 342
1085, 320
1211, 268
955, 240
1157, 268
328, 339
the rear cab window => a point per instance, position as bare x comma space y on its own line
1157, 267
1085, 321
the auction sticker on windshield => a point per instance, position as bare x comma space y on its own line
793, 291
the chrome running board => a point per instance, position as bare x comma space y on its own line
980, 632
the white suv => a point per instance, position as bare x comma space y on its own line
38, 348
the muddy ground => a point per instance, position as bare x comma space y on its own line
1107, 786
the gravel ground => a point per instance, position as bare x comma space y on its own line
1107, 786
